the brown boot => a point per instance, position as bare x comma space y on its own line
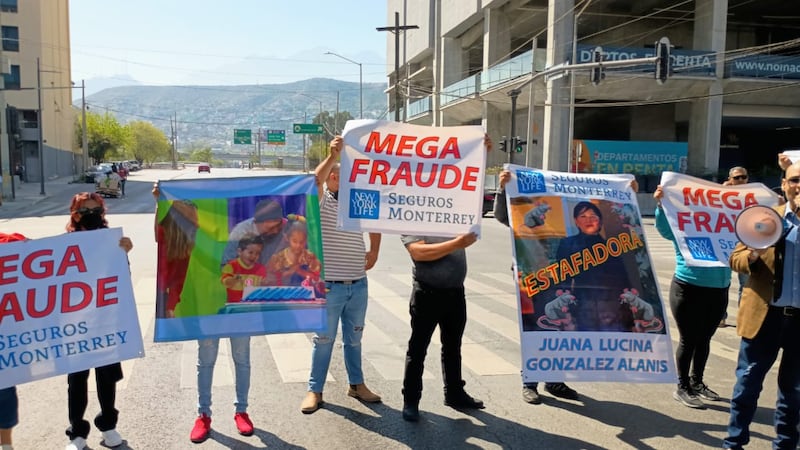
311, 403
362, 392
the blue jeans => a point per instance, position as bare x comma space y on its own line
348, 302
756, 356
207, 350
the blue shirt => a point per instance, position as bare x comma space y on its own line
790, 295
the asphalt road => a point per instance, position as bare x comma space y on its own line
157, 399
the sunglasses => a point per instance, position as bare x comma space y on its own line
740, 177
793, 180
97, 210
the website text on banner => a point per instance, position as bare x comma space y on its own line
66, 305
589, 304
702, 215
238, 257
410, 179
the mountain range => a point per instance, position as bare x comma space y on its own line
207, 115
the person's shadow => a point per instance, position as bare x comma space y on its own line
268, 440
434, 431
629, 417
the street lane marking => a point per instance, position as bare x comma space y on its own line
292, 356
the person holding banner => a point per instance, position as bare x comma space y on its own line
88, 212
769, 321
698, 297
175, 230
9, 403
530, 391
736, 176
346, 263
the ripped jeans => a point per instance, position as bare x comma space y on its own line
348, 302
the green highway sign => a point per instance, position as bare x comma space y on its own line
242, 137
276, 137
307, 128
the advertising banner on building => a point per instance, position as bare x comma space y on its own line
589, 304
238, 257
66, 305
634, 157
702, 215
409, 179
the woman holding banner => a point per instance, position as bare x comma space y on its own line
698, 297
9, 403
88, 212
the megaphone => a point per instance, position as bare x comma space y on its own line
759, 227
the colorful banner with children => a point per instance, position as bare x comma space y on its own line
411, 179
702, 215
66, 305
590, 309
238, 257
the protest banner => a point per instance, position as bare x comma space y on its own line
410, 179
794, 155
238, 257
702, 215
66, 305
589, 304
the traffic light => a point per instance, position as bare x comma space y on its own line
597, 74
503, 144
12, 119
518, 144
664, 62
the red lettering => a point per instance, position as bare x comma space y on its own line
72, 258
713, 198
358, 169
46, 266
470, 179
750, 200
450, 148
427, 151
693, 198
684, 218
379, 169
702, 219
449, 169
9, 306
66, 296
406, 143
403, 173
725, 222
431, 175
30, 303
375, 145
7, 266
105, 288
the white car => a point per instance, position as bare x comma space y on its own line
97, 172
133, 165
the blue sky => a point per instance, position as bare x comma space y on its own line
167, 42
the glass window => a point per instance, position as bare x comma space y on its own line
10, 39
8, 5
12, 79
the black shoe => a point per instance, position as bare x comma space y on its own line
410, 412
561, 390
462, 401
531, 395
701, 390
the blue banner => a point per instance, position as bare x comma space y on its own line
684, 62
238, 257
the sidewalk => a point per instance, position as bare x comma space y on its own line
29, 194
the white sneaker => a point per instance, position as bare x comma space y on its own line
111, 438
78, 443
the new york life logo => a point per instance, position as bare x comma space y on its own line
530, 182
364, 204
701, 248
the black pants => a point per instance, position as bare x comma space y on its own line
78, 398
446, 308
697, 311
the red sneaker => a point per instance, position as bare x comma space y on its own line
202, 426
243, 424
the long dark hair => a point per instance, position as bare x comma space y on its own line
77, 203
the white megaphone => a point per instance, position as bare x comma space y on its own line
759, 227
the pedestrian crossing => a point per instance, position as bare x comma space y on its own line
490, 345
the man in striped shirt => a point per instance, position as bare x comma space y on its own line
346, 261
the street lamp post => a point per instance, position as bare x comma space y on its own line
360, 82
41, 129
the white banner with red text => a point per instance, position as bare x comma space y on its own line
409, 179
702, 215
66, 305
589, 305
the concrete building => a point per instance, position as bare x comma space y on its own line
733, 97
36, 68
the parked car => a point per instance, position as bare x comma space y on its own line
97, 172
488, 201
133, 165
204, 168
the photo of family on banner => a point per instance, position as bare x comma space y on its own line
590, 308
238, 257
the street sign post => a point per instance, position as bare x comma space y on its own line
242, 137
307, 128
276, 137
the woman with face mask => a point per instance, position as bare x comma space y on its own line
87, 212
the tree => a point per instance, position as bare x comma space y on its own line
105, 134
148, 143
332, 125
202, 154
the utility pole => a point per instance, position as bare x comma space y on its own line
174, 126
41, 129
396, 29
84, 133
